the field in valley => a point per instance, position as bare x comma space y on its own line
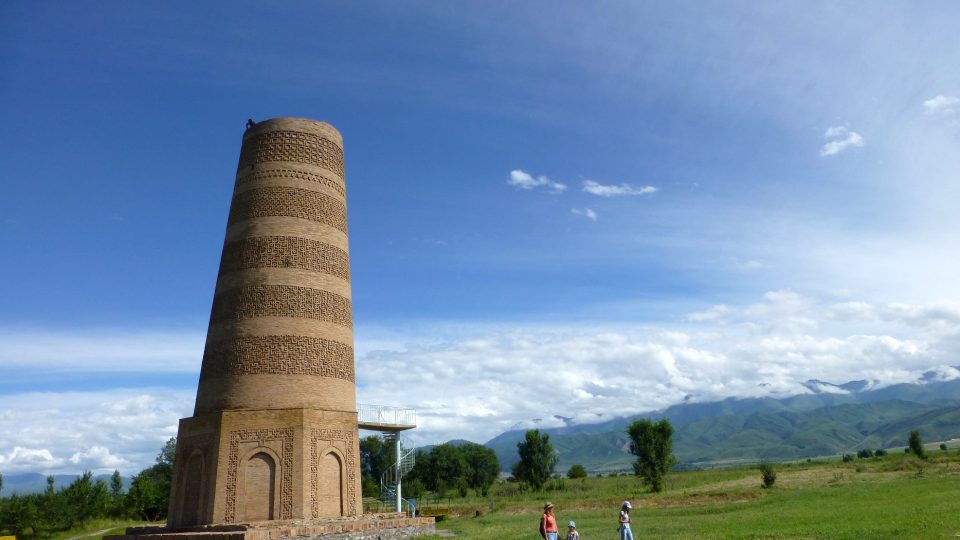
896, 496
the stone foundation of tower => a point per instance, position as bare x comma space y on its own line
281, 464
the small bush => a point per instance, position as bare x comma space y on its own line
943, 446
768, 475
880, 452
848, 458
916, 444
577, 471
865, 453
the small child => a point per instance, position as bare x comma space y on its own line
572, 533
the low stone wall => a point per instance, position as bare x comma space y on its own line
370, 526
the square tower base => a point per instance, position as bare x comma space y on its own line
252, 466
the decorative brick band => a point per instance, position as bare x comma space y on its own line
281, 301
261, 436
293, 146
290, 173
289, 202
278, 355
285, 252
331, 437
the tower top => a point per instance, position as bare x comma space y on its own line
286, 123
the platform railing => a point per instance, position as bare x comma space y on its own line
383, 415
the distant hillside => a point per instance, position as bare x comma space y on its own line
831, 419
35, 483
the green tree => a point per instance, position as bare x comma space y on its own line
446, 467
413, 488
371, 465
116, 495
51, 507
916, 445
537, 459
576, 471
168, 453
83, 500
19, 513
149, 493
652, 443
483, 467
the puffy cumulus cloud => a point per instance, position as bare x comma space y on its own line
602, 190
101, 350
477, 387
524, 180
942, 104
98, 457
69, 432
481, 384
839, 138
586, 212
19, 459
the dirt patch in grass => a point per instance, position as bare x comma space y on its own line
704, 499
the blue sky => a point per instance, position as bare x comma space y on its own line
554, 208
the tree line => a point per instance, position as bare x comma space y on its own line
443, 470
84, 499
459, 469
651, 443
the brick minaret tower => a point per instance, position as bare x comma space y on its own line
274, 431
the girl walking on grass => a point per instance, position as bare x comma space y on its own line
625, 532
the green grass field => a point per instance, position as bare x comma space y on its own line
895, 496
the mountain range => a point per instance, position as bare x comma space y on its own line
24, 483
830, 419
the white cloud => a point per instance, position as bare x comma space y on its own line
590, 374
616, 191
68, 432
19, 459
586, 212
715, 313
842, 139
98, 457
524, 180
942, 105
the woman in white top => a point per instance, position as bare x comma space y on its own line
625, 532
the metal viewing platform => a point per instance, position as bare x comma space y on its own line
383, 418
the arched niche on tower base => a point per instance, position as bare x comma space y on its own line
258, 485
192, 490
331, 484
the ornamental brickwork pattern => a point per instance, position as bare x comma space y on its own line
285, 252
343, 440
278, 355
253, 301
262, 437
293, 146
289, 202
271, 174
